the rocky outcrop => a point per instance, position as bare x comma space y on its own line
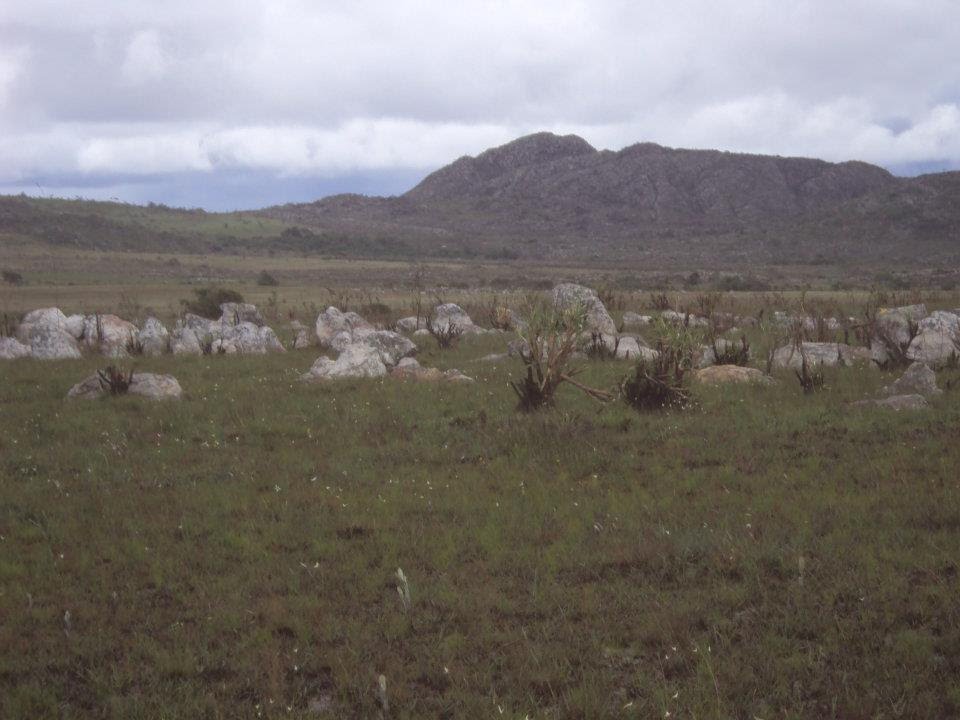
148, 385
355, 361
338, 328
449, 314
819, 354
410, 369
154, 338
568, 295
236, 313
12, 349
195, 335
727, 374
938, 339
46, 332
110, 335
896, 402
919, 379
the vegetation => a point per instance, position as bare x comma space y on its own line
265, 279
207, 301
753, 557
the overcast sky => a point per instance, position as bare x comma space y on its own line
231, 104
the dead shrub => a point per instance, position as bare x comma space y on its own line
662, 382
115, 380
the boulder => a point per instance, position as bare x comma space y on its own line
409, 324
632, 319
896, 402
332, 322
823, 354
449, 314
193, 334
235, 313
410, 369
726, 374
919, 379
938, 339
74, 325
301, 338
109, 334
154, 337
148, 385
11, 349
632, 348
356, 361
45, 332
567, 295
392, 347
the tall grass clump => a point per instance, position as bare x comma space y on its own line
663, 381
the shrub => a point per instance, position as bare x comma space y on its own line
732, 354
115, 380
809, 381
659, 301
207, 301
600, 349
661, 382
265, 279
550, 337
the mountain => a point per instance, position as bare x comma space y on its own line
553, 196
556, 198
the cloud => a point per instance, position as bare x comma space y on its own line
306, 89
144, 60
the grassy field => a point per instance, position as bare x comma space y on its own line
762, 554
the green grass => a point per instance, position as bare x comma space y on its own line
763, 554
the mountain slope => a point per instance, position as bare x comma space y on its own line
549, 196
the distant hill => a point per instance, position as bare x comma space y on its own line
553, 197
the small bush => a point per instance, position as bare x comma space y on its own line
810, 381
659, 301
265, 279
446, 335
207, 301
600, 349
550, 338
732, 354
661, 382
115, 380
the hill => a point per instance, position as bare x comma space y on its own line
553, 197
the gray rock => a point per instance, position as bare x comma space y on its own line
154, 337
410, 369
819, 354
409, 324
74, 325
896, 402
727, 374
148, 385
45, 332
332, 322
356, 361
567, 295
938, 339
919, 379
109, 334
11, 349
449, 314
236, 313
708, 356
678, 318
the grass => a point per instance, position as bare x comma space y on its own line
233, 555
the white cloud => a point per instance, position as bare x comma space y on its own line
318, 88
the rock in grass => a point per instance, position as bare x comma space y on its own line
819, 354
46, 332
410, 369
355, 361
109, 334
726, 374
632, 319
938, 339
154, 337
148, 385
449, 314
919, 379
331, 323
11, 349
896, 402
566, 295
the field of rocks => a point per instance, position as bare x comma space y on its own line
570, 503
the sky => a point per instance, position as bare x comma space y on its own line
247, 103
